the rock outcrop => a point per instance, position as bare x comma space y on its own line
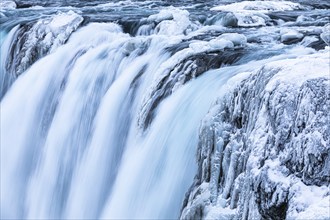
264, 147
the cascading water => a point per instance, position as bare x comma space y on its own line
78, 152
97, 123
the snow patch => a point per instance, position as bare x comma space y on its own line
253, 13
297, 71
7, 5
260, 6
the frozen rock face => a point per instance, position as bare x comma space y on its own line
264, 147
34, 41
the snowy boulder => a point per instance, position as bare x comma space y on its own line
225, 19
325, 35
265, 144
254, 13
172, 21
43, 37
7, 5
236, 39
290, 36
261, 6
220, 43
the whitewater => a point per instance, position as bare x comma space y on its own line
105, 106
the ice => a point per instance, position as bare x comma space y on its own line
265, 171
106, 114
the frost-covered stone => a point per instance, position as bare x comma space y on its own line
37, 40
7, 5
266, 143
325, 35
254, 13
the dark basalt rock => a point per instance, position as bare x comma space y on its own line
189, 68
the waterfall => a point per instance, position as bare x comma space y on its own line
106, 106
72, 144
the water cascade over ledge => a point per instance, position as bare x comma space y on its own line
105, 108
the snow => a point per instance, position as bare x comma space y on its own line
62, 20
290, 34
236, 39
309, 202
7, 4
45, 36
172, 21
262, 145
317, 67
254, 13
325, 35
227, 40
281, 92
260, 6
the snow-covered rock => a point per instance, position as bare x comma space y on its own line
254, 13
7, 5
169, 21
325, 35
43, 37
290, 35
261, 6
188, 64
264, 147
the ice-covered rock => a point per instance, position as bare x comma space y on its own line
325, 35
254, 13
226, 19
39, 39
289, 36
261, 6
7, 5
169, 21
264, 147
188, 64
